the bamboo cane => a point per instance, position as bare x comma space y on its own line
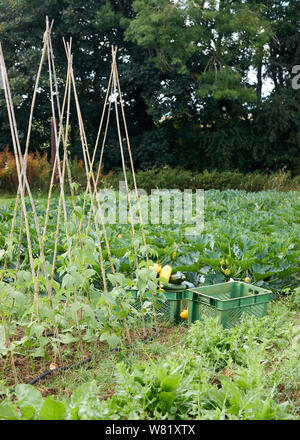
87, 161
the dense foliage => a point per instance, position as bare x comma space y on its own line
245, 235
39, 177
184, 70
250, 372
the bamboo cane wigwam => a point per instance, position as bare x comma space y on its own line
43, 273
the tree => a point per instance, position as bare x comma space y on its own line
184, 69
93, 31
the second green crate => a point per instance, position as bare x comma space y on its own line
228, 302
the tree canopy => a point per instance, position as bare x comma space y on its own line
192, 73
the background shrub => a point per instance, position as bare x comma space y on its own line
179, 178
38, 171
39, 175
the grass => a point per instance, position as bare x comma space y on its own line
6, 199
102, 368
211, 363
62, 383
172, 338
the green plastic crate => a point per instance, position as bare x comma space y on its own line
227, 301
168, 310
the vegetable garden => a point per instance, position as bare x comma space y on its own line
257, 236
66, 278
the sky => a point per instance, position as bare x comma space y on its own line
267, 85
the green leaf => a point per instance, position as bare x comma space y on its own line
89, 273
19, 297
167, 398
24, 276
37, 329
67, 338
68, 282
83, 390
113, 341
104, 336
39, 352
27, 412
109, 298
78, 211
170, 383
70, 228
29, 396
8, 411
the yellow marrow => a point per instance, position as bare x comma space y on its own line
184, 314
156, 268
166, 273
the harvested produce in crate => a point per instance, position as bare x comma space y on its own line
177, 278
173, 287
188, 284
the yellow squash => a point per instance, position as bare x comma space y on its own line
156, 268
184, 314
166, 273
